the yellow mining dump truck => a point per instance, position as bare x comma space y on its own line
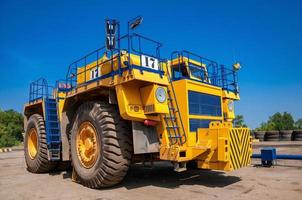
124, 103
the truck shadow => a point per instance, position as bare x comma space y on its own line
162, 175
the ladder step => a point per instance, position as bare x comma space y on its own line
54, 138
172, 127
54, 130
54, 135
54, 148
175, 137
51, 115
50, 100
173, 109
55, 144
52, 104
51, 108
170, 118
53, 121
56, 151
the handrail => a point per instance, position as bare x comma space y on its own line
140, 51
94, 56
217, 75
229, 79
40, 89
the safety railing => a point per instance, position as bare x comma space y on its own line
189, 65
62, 85
40, 89
132, 44
88, 60
151, 47
229, 79
210, 72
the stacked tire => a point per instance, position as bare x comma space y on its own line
283, 135
286, 135
259, 135
297, 135
271, 136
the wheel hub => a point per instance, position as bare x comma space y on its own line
32, 143
87, 146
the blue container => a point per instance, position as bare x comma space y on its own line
268, 156
268, 153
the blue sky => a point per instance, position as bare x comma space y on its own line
41, 38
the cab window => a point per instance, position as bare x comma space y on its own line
180, 72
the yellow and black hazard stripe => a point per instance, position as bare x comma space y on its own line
5, 150
240, 147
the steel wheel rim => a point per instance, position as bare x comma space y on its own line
32, 143
87, 145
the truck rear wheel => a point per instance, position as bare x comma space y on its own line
35, 147
101, 145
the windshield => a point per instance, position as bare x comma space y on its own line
180, 72
198, 72
193, 72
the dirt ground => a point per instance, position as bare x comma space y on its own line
283, 181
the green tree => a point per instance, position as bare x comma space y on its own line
11, 126
287, 122
298, 124
239, 121
266, 126
278, 121
283, 121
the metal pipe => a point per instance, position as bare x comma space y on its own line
282, 156
256, 156
289, 157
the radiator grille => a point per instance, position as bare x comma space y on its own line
149, 108
240, 144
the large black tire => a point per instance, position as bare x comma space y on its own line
297, 135
272, 136
259, 135
40, 163
285, 135
115, 141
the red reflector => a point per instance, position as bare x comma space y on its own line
148, 122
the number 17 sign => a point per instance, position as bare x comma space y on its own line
149, 62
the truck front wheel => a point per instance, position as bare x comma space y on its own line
101, 145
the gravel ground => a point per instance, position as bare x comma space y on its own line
283, 181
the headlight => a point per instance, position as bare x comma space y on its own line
231, 105
160, 94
